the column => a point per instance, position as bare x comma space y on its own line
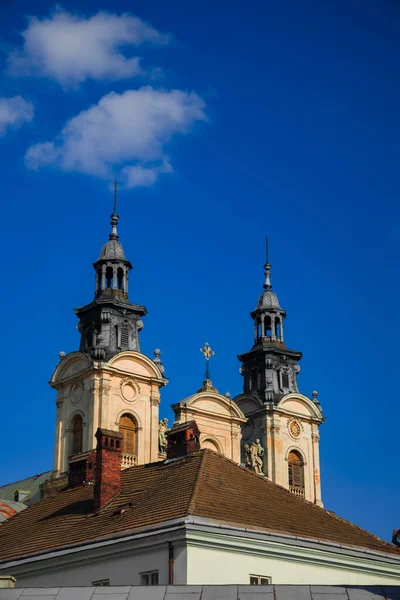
115, 280
126, 279
273, 334
281, 329
262, 325
316, 469
103, 277
255, 331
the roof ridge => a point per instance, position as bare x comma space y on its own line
193, 498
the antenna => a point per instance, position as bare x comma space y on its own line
115, 195
266, 250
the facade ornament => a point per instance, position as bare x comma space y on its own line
254, 456
155, 401
315, 397
207, 386
162, 436
105, 388
61, 355
157, 361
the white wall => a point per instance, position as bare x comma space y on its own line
123, 569
207, 566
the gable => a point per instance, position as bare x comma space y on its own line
71, 365
135, 363
214, 403
300, 405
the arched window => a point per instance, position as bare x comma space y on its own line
267, 326
296, 473
120, 278
128, 428
109, 277
77, 434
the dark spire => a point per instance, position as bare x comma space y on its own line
267, 268
114, 217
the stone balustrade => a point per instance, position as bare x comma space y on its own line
297, 491
128, 460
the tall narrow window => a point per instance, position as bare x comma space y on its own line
77, 434
296, 473
124, 336
109, 277
267, 325
285, 380
120, 278
127, 427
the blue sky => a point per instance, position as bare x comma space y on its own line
240, 119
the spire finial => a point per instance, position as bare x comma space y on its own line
267, 267
114, 217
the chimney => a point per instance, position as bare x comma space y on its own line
183, 439
108, 467
81, 468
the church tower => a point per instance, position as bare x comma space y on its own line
285, 421
109, 383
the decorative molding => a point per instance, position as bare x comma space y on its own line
76, 392
129, 389
105, 388
315, 437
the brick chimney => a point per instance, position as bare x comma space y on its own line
183, 439
81, 468
108, 467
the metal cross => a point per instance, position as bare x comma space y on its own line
208, 352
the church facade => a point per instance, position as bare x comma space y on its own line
270, 427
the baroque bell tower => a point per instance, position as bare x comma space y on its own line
108, 383
285, 421
110, 323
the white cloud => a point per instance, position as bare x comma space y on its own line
71, 48
126, 132
14, 112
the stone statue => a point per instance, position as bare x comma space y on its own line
162, 436
247, 456
254, 456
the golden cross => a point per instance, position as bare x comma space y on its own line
207, 351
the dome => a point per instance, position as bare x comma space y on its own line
268, 299
112, 250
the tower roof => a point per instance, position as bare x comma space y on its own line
112, 250
268, 300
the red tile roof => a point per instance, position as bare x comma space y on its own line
204, 484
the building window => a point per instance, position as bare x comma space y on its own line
260, 580
124, 337
296, 473
285, 380
101, 582
109, 277
149, 578
127, 427
77, 434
